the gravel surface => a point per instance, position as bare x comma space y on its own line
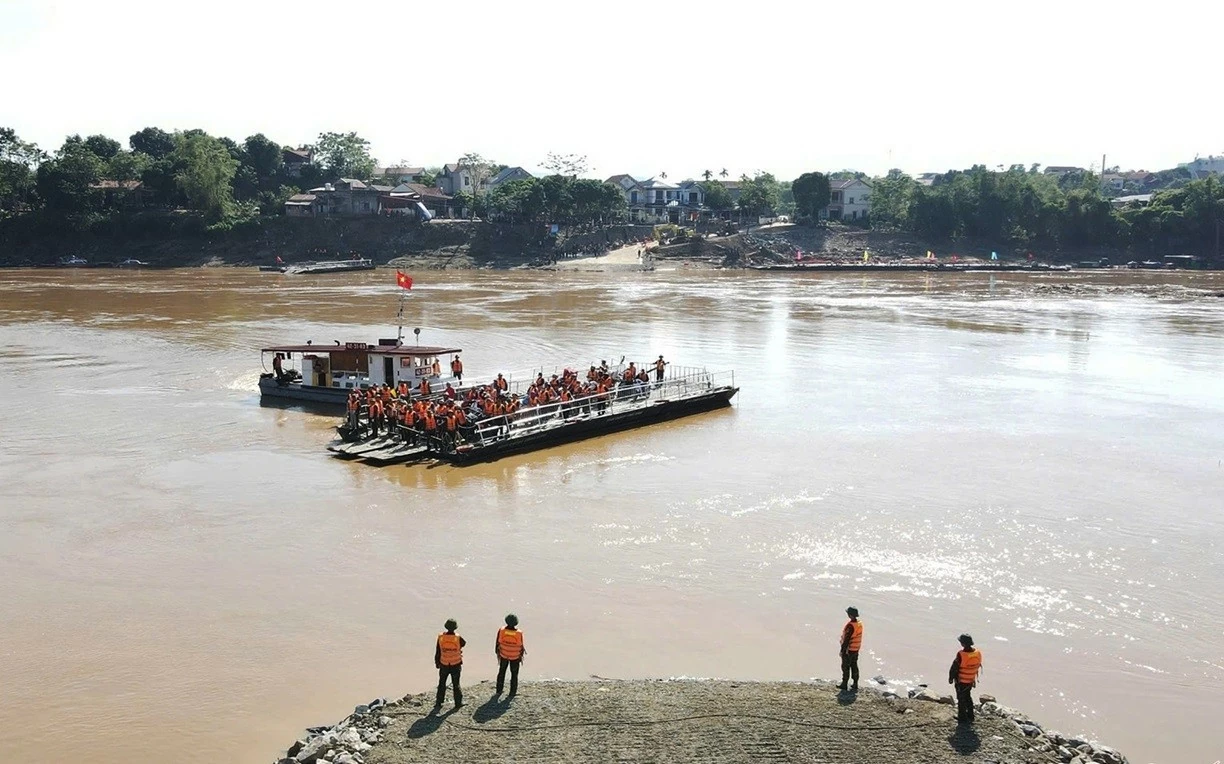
689, 721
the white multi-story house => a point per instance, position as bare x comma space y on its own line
849, 200
657, 201
1201, 167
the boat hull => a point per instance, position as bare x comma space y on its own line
330, 398
581, 429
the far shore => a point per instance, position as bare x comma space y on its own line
716, 721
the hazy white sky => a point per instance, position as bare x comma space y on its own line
638, 87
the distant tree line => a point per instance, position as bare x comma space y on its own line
225, 182
1027, 208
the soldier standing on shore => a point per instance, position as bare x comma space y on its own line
448, 658
851, 641
963, 674
510, 651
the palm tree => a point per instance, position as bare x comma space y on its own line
724, 173
663, 175
707, 175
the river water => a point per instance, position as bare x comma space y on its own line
1037, 460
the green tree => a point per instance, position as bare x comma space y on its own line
65, 183
204, 170
891, 198
153, 141
18, 160
127, 165
102, 147
811, 191
717, 197
260, 169
429, 177
706, 175
524, 199
758, 195
345, 155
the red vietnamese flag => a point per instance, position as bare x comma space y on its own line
403, 280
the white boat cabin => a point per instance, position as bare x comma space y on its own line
359, 364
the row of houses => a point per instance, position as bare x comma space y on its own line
409, 195
652, 200
655, 200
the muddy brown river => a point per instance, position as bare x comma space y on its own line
1037, 460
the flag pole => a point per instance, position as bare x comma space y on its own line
399, 337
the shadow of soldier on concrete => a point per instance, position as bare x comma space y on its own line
964, 740
492, 708
428, 724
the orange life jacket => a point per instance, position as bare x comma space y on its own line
500, 383
353, 403
430, 423
509, 644
452, 652
970, 664
403, 389
460, 417
856, 636
450, 422
409, 418
456, 366
424, 387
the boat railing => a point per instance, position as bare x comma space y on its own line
623, 397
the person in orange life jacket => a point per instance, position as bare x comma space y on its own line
963, 674
424, 387
457, 369
659, 365
851, 641
448, 658
510, 652
500, 383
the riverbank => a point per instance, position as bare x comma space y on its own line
727, 722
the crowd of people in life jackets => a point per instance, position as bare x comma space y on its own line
441, 419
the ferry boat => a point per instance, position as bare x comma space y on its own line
323, 375
683, 392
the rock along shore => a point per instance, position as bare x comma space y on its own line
705, 721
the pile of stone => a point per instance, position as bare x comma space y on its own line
1069, 750
344, 743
